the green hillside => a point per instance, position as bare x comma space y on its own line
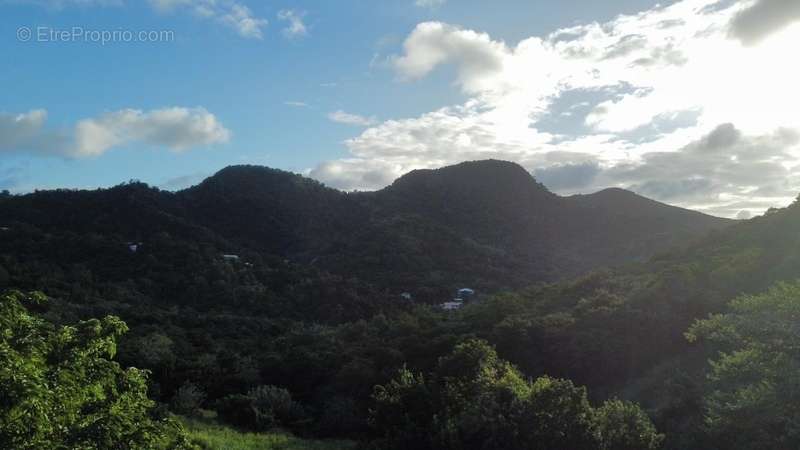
301, 327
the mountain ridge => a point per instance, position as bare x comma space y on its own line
488, 224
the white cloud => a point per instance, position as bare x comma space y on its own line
433, 43
241, 19
430, 3
647, 89
296, 28
356, 174
296, 104
177, 129
18, 128
351, 119
230, 13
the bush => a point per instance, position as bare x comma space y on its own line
275, 408
263, 408
188, 399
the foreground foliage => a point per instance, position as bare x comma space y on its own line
754, 391
475, 400
59, 388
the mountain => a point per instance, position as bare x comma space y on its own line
271, 210
485, 224
615, 226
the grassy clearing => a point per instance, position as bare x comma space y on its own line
211, 436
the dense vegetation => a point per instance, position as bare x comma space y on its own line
753, 391
299, 334
475, 400
60, 388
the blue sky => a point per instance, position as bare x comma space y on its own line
355, 93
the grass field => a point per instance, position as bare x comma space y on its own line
210, 436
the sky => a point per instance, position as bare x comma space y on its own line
692, 102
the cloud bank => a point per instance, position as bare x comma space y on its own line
178, 129
681, 103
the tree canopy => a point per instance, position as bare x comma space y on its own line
475, 400
752, 402
60, 388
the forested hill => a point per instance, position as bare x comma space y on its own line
488, 224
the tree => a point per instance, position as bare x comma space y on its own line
59, 387
475, 400
403, 411
557, 415
754, 390
622, 425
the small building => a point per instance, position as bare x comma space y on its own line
454, 305
230, 257
134, 246
407, 296
465, 294
5, 229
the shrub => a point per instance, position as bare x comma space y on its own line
188, 399
274, 407
262, 409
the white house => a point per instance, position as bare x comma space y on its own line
454, 305
407, 296
230, 257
